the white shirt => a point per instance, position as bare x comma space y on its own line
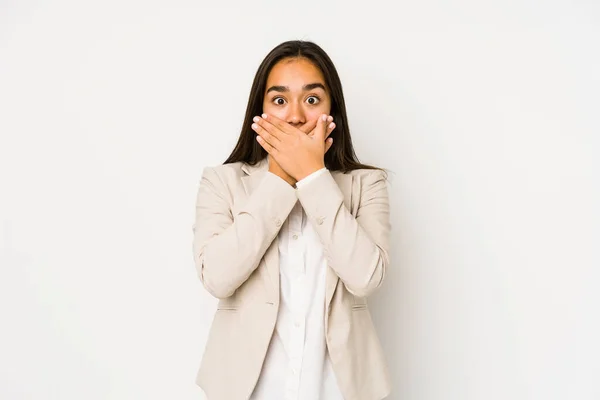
297, 364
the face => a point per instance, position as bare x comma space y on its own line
296, 92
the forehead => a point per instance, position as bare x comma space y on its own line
294, 72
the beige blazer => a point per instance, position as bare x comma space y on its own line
239, 211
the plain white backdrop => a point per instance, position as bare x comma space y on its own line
487, 114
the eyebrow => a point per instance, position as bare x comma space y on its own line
308, 86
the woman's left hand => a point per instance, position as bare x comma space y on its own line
299, 154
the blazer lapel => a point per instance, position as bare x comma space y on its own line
270, 274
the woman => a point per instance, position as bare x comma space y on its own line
291, 235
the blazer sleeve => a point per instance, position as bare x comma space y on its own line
228, 248
357, 249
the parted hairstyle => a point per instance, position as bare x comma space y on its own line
341, 155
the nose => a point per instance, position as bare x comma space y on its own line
295, 114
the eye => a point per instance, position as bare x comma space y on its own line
279, 101
315, 100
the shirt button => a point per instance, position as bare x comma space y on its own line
295, 236
320, 220
278, 222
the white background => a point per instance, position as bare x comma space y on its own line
486, 112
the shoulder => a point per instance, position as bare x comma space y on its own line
370, 188
224, 172
367, 177
221, 180
369, 184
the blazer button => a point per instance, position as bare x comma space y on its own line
320, 220
278, 222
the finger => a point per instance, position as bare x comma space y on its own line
279, 124
321, 128
330, 127
309, 127
270, 149
265, 134
328, 144
329, 130
268, 127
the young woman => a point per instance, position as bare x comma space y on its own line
292, 235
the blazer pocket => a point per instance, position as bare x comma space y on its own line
227, 308
360, 303
230, 303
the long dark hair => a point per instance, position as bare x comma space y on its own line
341, 155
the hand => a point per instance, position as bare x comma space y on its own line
274, 168
310, 130
299, 154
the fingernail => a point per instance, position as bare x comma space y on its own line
324, 117
264, 116
254, 126
255, 119
330, 118
331, 125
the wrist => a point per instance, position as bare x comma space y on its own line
309, 171
283, 175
